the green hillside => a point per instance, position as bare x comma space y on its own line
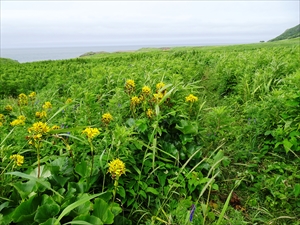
187, 135
288, 34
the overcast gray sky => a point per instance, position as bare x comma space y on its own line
100, 23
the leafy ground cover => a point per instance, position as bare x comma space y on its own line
171, 136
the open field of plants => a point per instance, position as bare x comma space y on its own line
195, 135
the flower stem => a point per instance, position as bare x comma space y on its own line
38, 159
92, 153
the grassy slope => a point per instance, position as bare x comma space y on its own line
288, 34
290, 42
245, 87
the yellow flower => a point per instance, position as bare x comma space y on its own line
41, 114
141, 98
130, 85
23, 100
191, 98
116, 168
135, 100
91, 132
37, 136
8, 108
160, 85
158, 96
146, 90
69, 100
47, 105
19, 159
55, 127
20, 121
39, 128
150, 113
2, 118
32, 95
1, 124
22, 117
106, 118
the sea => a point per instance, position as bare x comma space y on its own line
24, 55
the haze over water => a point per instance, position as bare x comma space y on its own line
23, 55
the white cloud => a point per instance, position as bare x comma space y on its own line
38, 23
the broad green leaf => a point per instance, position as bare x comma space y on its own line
102, 211
46, 211
83, 169
26, 210
86, 220
50, 221
24, 188
44, 172
76, 204
115, 208
187, 127
38, 180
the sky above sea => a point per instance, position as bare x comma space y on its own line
38, 24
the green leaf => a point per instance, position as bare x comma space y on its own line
115, 208
83, 169
46, 212
76, 204
121, 191
44, 172
152, 190
101, 210
24, 188
296, 190
38, 180
287, 145
86, 220
50, 221
26, 210
187, 127
3, 205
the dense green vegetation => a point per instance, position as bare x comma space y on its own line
208, 135
293, 32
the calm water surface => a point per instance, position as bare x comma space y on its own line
38, 54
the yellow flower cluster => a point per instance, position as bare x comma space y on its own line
146, 90
130, 85
19, 121
91, 132
39, 129
19, 159
2, 118
158, 96
160, 85
8, 108
55, 127
106, 118
135, 101
191, 98
32, 95
41, 115
116, 168
23, 100
69, 100
150, 113
47, 105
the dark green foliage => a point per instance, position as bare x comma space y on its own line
290, 33
242, 134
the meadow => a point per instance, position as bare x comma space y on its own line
187, 135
